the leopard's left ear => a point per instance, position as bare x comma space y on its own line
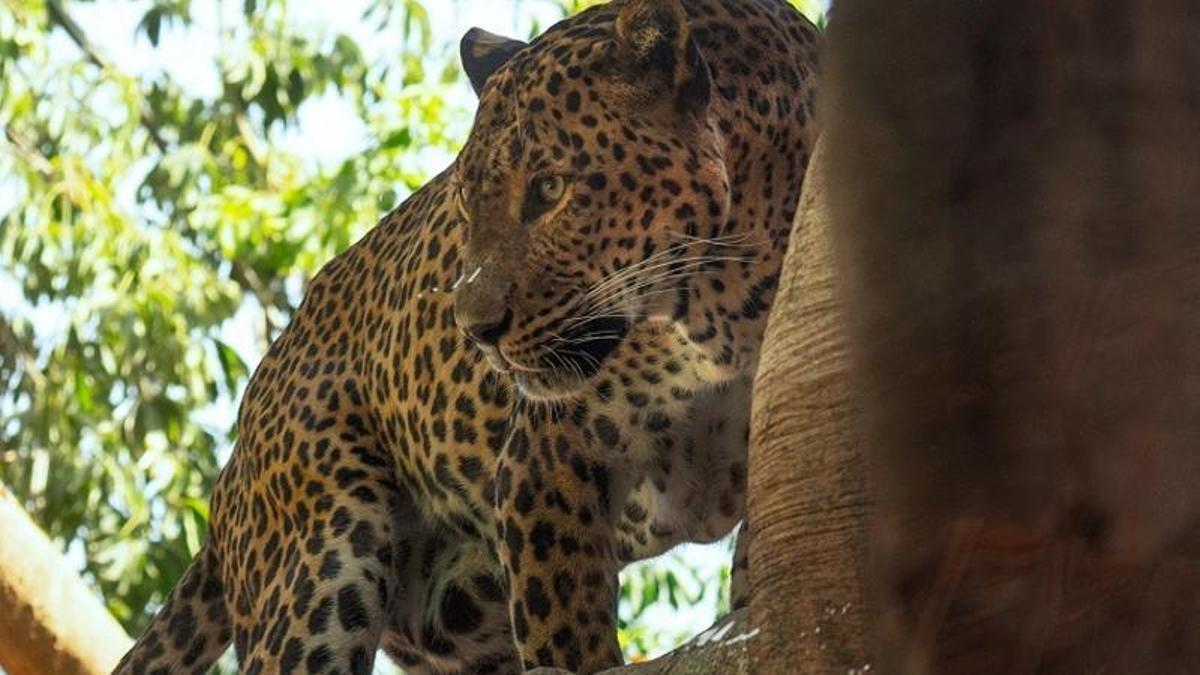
655, 37
483, 53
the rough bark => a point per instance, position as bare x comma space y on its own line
1014, 189
808, 501
50, 622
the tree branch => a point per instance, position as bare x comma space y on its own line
51, 621
58, 15
266, 295
24, 359
25, 150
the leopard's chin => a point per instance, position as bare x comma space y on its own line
548, 386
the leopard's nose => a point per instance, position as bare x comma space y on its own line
489, 332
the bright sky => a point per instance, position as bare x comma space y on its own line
188, 54
328, 131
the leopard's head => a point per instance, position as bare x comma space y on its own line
592, 173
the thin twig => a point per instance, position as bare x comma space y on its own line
24, 359
25, 150
59, 15
264, 292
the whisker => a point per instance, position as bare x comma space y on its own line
727, 240
690, 262
663, 258
636, 291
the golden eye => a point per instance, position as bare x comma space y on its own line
549, 189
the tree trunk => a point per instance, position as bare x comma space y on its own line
808, 501
50, 622
1015, 195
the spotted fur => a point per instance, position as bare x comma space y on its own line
532, 372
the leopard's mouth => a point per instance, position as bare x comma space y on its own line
573, 358
583, 348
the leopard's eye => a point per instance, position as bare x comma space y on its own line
549, 189
543, 194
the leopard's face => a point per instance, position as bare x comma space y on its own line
589, 183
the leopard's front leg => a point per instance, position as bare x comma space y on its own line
554, 502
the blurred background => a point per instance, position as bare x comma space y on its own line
171, 172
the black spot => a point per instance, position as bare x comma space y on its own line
524, 500
541, 537
470, 467
568, 545
460, 614
563, 637
564, 587
293, 654
360, 661
518, 447
635, 512
341, 521
346, 477
304, 594
520, 623
607, 431
515, 540
600, 477
488, 588
318, 621
331, 565
657, 421
195, 651
318, 659
597, 181
182, 626
352, 612
536, 599
362, 539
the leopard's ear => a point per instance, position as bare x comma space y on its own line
655, 37
483, 53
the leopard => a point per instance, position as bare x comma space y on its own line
534, 371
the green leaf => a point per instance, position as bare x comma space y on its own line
83, 391
151, 24
402, 138
232, 366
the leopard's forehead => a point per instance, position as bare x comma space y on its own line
531, 102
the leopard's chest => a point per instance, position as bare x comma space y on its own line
692, 488
677, 441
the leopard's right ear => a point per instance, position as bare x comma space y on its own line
655, 37
483, 53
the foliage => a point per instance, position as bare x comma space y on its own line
155, 236
145, 218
